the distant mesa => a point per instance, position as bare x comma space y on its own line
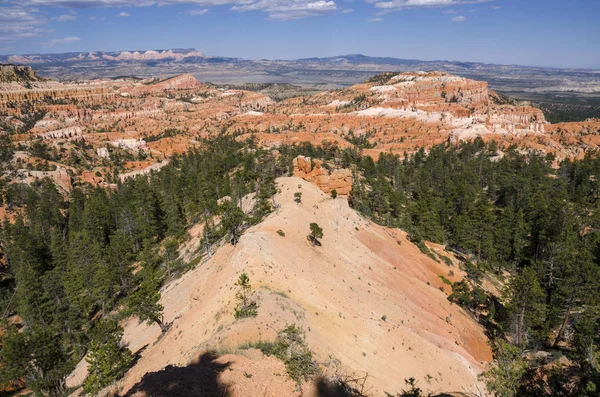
149, 55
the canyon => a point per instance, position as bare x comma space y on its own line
397, 113
152, 119
372, 302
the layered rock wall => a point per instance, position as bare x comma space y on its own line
53, 93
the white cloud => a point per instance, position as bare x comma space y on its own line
347, 11
64, 40
452, 12
495, 7
197, 13
375, 19
92, 18
395, 5
123, 15
460, 18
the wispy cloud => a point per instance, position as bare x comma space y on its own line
495, 7
18, 23
197, 13
452, 11
396, 5
375, 19
286, 9
347, 11
460, 18
71, 15
123, 15
276, 9
64, 40
66, 17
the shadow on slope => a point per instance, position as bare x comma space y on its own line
200, 378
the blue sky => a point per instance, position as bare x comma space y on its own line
560, 33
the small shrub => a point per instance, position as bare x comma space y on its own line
413, 390
298, 197
384, 318
290, 347
316, 232
334, 193
281, 233
246, 307
446, 260
425, 249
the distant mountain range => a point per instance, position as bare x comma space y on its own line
150, 55
327, 72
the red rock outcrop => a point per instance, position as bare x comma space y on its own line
339, 179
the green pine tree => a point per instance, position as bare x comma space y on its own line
107, 359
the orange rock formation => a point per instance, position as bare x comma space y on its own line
339, 180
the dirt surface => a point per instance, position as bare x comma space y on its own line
337, 293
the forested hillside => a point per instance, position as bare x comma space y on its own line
77, 264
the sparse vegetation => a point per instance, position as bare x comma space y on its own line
291, 348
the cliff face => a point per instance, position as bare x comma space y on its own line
17, 73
